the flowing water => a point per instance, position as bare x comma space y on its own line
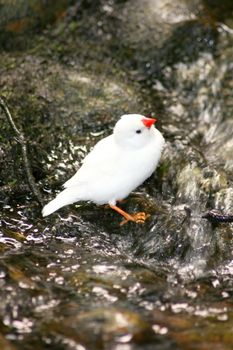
77, 280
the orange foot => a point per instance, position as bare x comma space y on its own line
139, 218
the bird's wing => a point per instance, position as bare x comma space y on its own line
102, 161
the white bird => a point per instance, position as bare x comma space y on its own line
116, 166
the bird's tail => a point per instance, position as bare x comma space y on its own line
68, 196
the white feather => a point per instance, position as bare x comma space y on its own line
68, 196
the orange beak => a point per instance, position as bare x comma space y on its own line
148, 122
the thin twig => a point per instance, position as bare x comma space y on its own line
216, 216
23, 142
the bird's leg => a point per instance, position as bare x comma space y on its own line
139, 218
106, 206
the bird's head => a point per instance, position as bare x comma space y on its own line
134, 130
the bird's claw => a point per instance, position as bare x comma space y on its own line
138, 218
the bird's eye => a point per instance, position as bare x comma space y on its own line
138, 131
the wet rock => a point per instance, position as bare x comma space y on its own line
106, 326
17, 17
